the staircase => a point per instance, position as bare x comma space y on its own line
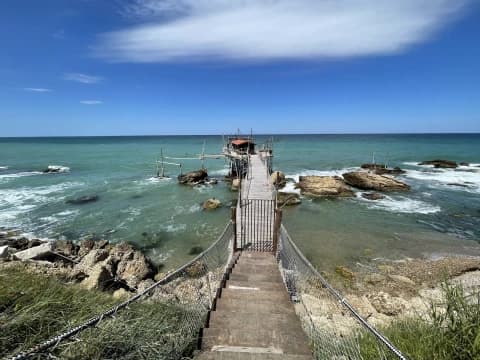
254, 318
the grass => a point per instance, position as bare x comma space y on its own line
451, 332
35, 307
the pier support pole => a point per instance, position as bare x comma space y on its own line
233, 217
276, 229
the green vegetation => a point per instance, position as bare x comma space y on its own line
452, 331
35, 307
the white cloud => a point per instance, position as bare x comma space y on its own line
91, 102
82, 78
274, 29
39, 90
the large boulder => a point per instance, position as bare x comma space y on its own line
440, 164
381, 169
55, 169
324, 186
288, 199
278, 179
368, 181
40, 252
133, 268
193, 177
66, 247
99, 277
211, 204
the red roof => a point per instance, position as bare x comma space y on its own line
240, 142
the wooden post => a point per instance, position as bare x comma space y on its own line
276, 229
234, 222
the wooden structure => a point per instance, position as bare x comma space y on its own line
252, 317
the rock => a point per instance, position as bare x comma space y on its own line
345, 272
40, 252
17, 243
54, 169
386, 269
133, 268
324, 186
235, 185
368, 181
195, 250
288, 199
464, 164
3, 234
4, 252
99, 277
381, 169
92, 258
102, 244
121, 294
278, 179
459, 185
193, 177
211, 204
442, 164
211, 181
373, 166
83, 200
374, 278
145, 284
387, 304
85, 247
373, 196
402, 279
66, 247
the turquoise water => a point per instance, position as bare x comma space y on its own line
166, 219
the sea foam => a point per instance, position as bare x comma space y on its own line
401, 204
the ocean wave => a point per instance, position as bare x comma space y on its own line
187, 209
172, 227
3, 168
7, 177
401, 204
453, 179
153, 180
57, 169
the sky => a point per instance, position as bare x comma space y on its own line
154, 67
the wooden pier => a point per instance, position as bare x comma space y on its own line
254, 317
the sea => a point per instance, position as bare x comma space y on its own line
440, 215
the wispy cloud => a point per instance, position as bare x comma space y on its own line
38, 90
274, 29
91, 102
82, 78
59, 34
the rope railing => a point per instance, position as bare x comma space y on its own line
190, 291
335, 328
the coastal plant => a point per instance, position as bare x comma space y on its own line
451, 331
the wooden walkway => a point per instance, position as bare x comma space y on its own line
254, 318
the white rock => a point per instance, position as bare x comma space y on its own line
3, 252
37, 252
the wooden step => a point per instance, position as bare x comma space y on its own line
284, 339
245, 276
254, 320
240, 355
261, 285
256, 268
256, 255
254, 295
269, 306
259, 261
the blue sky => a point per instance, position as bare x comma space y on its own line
133, 67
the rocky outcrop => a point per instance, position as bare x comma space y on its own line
440, 164
39, 252
193, 177
288, 199
83, 200
278, 179
373, 196
368, 181
324, 186
133, 268
381, 169
211, 204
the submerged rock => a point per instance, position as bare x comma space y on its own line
443, 164
212, 204
288, 199
324, 186
193, 177
83, 200
464, 164
368, 181
195, 250
373, 196
55, 169
278, 179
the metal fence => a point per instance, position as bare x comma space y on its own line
256, 224
187, 292
336, 330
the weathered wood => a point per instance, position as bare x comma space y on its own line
233, 217
278, 224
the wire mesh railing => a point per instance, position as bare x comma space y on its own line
184, 298
336, 330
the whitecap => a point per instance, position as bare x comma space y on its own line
290, 188
446, 178
58, 169
8, 177
401, 204
153, 180
3, 168
171, 228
